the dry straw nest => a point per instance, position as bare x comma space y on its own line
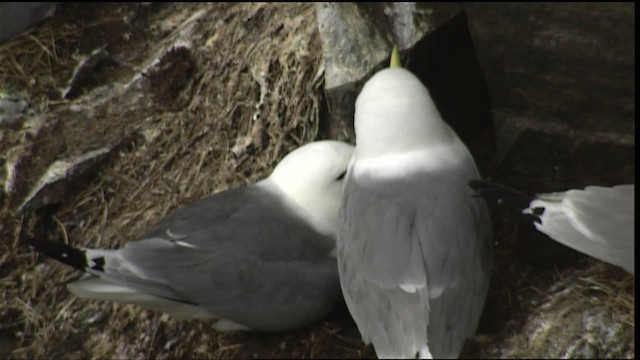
228, 102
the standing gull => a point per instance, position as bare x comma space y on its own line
414, 244
258, 257
597, 221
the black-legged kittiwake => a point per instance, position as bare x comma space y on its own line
414, 245
597, 221
258, 257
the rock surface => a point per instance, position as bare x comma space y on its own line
561, 83
561, 79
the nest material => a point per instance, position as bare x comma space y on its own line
229, 102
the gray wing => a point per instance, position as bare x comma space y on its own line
394, 236
250, 217
242, 255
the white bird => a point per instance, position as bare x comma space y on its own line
597, 221
258, 257
414, 245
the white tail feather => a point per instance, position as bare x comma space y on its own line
92, 287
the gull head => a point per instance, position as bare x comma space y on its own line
311, 177
394, 113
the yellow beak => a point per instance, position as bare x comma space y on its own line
395, 58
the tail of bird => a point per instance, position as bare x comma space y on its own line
94, 286
509, 200
66, 254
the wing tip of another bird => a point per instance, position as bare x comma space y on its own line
508, 199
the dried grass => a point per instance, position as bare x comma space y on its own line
29, 62
255, 96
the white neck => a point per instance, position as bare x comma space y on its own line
309, 179
320, 210
395, 114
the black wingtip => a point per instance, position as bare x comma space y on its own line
62, 252
507, 199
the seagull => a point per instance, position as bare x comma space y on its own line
259, 257
597, 221
414, 245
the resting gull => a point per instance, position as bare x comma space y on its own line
258, 257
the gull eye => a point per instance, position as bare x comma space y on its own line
342, 175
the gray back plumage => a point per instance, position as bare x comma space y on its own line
242, 255
425, 227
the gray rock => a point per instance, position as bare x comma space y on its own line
435, 42
352, 44
561, 80
16, 17
356, 38
352, 41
